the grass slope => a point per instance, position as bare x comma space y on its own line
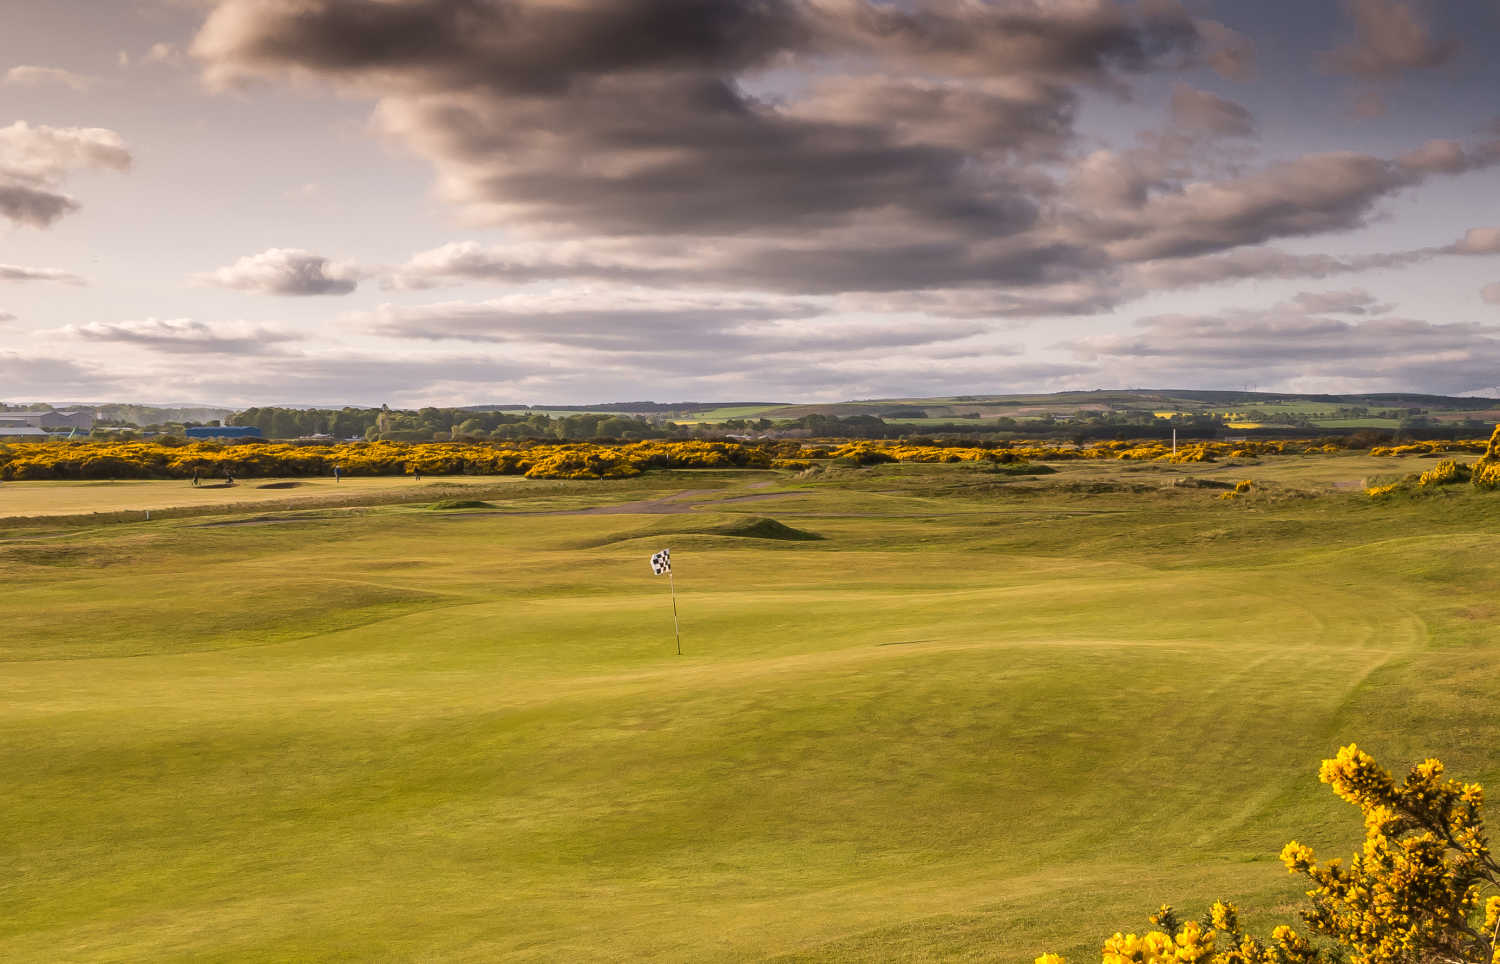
979, 718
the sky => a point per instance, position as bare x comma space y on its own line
449, 202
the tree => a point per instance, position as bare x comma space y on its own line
1411, 895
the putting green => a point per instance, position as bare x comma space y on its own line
981, 717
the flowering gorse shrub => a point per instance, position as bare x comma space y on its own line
1446, 472
1483, 473
579, 460
1413, 894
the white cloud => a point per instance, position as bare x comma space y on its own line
27, 75
34, 161
16, 272
1477, 241
287, 271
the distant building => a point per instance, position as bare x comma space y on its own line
52, 421
11, 430
222, 431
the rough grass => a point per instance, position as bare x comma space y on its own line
380, 735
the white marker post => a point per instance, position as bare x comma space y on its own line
661, 562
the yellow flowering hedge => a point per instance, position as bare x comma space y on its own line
1483, 473
1410, 895
582, 460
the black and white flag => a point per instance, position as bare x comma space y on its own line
661, 563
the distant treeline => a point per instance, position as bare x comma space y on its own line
459, 424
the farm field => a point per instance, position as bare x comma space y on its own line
934, 712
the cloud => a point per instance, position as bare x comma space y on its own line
918, 144
609, 318
163, 53
286, 271
1253, 263
47, 153
184, 336
871, 260
33, 206
1266, 262
27, 75
34, 160
1390, 36
1285, 345
7, 316
1477, 241
1355, 301
16, 272
1199, 110
1314, 194
25, 378
1491, 293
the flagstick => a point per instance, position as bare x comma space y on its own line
675, 633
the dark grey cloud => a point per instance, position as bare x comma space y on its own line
928, 146
17, 272
535, 46
1314, 194
1266, 262
1390, 36
286, 271
184, 336
824, 265
920, 133
33, 206
1199, 110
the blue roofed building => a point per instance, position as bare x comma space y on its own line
223, 431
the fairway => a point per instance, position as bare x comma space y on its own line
978, 717
78, 498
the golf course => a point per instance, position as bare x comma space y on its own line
922, 712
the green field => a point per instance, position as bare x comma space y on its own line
980, 717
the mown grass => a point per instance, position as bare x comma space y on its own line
978, 718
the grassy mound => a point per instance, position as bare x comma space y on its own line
765, 528
462, 504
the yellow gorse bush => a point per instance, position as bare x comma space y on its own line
1446, 472
144, 460
1410, 895
1483, 473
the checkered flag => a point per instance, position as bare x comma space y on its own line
661, 563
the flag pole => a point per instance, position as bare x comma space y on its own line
676, 634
